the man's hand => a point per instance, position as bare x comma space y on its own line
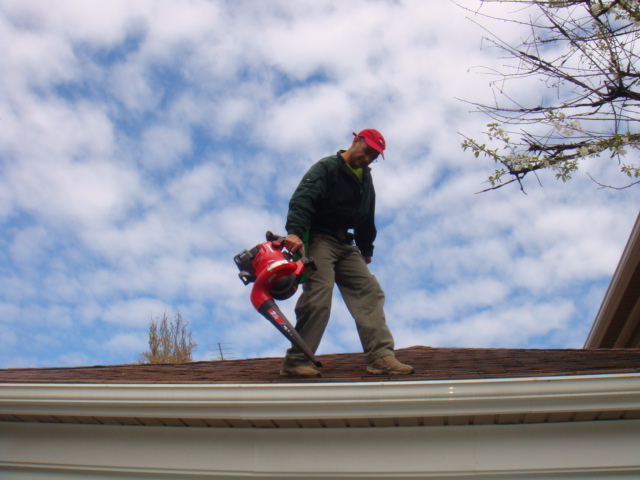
293, 243
367, 260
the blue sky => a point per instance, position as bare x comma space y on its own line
144, 144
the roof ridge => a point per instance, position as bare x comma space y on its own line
414, 349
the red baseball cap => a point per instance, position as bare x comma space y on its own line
374, 139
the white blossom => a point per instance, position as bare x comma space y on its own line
583, 151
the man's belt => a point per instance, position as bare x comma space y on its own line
344, 236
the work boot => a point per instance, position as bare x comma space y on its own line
388, 365
303, 371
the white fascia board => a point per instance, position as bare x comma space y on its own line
327, 400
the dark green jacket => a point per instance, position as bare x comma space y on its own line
329, 200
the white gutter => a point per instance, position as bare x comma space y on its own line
327, 400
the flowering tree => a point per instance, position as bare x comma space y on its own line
586, 53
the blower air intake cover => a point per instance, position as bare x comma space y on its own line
284, 287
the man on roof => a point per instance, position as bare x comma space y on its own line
334, 207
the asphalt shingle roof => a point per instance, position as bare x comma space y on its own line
429, 363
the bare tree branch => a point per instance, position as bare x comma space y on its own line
587, 52
169, 340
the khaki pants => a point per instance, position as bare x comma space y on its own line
343, 265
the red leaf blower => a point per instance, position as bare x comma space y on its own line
275, 275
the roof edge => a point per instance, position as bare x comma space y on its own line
603, 326
327, 400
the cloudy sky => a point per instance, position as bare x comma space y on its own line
143, 144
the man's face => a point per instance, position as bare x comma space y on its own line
363, 154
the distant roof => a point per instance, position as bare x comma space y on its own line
429, 363
617, 324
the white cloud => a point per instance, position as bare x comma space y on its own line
510, 327
164, 145
34, 59
88, 193
127, 343
8, 335
196, 187
130, 86
133, 313
28, 245
326, 106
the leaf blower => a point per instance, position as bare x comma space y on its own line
275, 276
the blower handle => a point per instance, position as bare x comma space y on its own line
306, 261
272, 237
